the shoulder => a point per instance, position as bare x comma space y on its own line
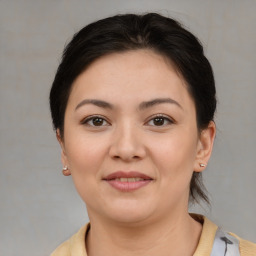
75, 245
247, 248
62, 250
215, 241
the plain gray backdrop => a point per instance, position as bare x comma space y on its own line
40, 207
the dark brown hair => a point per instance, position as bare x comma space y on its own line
130, 32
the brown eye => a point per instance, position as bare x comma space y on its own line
160, 121
95, 121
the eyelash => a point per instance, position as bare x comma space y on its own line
161, 116
152, 118
91, 118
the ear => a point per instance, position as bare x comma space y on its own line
63, 153
204, 147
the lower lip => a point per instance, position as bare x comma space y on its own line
128, 186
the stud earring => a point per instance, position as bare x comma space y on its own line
65, 171
202, 165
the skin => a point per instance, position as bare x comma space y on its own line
154, 219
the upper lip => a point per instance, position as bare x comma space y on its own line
123, 174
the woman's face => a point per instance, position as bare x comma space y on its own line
131, 140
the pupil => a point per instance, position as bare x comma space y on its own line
97, 121
158, 121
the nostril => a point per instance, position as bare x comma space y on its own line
126, 158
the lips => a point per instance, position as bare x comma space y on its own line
127, 181
127, 175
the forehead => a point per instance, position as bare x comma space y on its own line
137, 74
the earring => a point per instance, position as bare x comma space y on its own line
202, 165
65, 171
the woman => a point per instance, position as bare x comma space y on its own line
133, 104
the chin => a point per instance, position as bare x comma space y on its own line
129, 213
129, 220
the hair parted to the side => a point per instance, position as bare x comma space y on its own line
133, 32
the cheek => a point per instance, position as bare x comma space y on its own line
175, 161
85, 160
84, 152
85, 155
174, 156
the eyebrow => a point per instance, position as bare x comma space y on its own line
151, 103
143, 105
98, 103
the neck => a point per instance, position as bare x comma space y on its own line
176, 234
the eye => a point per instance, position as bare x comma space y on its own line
160, 120
95, 121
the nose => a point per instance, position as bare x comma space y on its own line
127, 144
